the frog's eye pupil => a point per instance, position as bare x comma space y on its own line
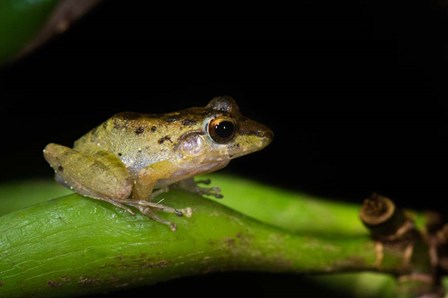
222, 131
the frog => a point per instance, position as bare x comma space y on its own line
131, 158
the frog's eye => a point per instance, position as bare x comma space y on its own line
222, 130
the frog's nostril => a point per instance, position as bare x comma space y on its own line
268, 134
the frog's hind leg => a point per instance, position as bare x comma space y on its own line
139, 204
59, 179
150, 213
99, 175
147, 208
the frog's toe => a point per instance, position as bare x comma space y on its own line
210, 191
218, 194
187, 212
204, 181
158, 219
147, 211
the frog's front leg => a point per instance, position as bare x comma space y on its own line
191, 185
143, 191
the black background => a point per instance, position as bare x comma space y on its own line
355, 92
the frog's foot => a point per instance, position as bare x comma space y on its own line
115, 203
147, 208
209, 191
204, 181
139, 204
192, 186
150, 213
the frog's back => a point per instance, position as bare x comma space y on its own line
136, 139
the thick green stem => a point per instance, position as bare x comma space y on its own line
290, 210
78, 245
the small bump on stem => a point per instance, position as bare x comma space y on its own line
383, 219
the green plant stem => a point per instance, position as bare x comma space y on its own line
293, 211
290, 210
77, 245
21, 194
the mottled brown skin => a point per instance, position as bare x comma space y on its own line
132, 157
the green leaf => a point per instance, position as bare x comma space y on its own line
20, 21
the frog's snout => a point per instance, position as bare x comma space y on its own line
258, 130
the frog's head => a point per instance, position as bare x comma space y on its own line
223, 133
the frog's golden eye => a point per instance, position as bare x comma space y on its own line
222, 130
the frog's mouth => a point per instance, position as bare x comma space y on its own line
256, 144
